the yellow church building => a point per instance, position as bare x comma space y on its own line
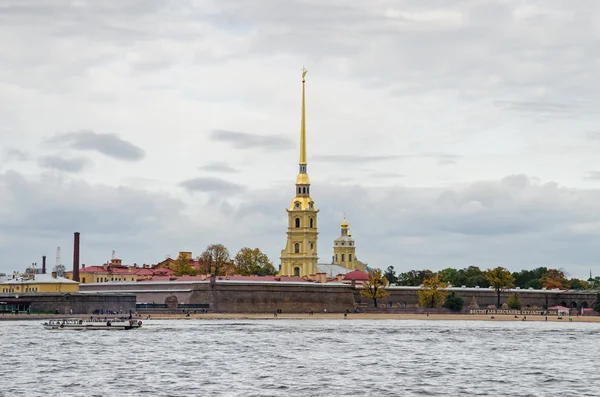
300, 255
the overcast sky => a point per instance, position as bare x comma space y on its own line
451, 133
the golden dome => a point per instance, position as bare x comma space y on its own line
302, 179
344, 224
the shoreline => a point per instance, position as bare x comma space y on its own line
323, 316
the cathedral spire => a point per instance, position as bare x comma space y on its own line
303, 126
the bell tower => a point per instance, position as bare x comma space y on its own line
299, 258
344, 250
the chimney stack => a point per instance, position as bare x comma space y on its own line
44, 264
76, 257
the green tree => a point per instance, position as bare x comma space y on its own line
454, 302
374, 288
500, 279
514, 302
450, 276
390, 275
474, 277
596, 305
182, 266
577, 284
215, 260
433, 292
250, 262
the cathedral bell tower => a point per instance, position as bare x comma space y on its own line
344, 248
299, 258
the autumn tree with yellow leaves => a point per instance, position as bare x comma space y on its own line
500, 279
433, 292
374, 288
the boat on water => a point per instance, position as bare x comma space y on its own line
79, 324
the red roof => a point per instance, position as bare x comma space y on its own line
357, 275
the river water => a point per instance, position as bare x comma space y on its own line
282, 357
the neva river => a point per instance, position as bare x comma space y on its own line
303, 358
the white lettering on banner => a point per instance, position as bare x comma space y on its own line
494, 311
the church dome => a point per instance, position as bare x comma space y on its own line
356, 275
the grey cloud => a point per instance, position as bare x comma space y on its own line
242, 140
219, 167
348, 158
211, 185
446, 162
593, 176
357, 159
12, 154
547, 109
62, 163
108, 144
593, 135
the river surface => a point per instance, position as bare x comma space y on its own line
282, 357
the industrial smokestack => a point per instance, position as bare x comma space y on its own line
44, 264
76, 257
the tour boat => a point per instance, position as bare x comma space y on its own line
111, 324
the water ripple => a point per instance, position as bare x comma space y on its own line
302, 358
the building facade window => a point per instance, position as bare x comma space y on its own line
342, 257
297, 222
336, 258
311, 223
297, 248
297, 271
349, 257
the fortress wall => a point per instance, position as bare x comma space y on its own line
264, 297
402, 296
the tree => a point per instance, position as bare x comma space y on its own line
554, 279
500, 279
578, 284
390, 275
514, 302
182, 266
432, 293
215, 260
450, 276
596, 305
454, 302
375, 287
60, 270
250, 262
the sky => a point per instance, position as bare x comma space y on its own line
450, 133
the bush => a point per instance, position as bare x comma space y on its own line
514, 302
454, 302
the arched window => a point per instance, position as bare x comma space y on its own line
299, 190
297, 271
304, 190
311, 223
297, 248
349, 257
342, 257
336, 258
312, 246
83, 280
297, 222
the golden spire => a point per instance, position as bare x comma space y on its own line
303, 124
